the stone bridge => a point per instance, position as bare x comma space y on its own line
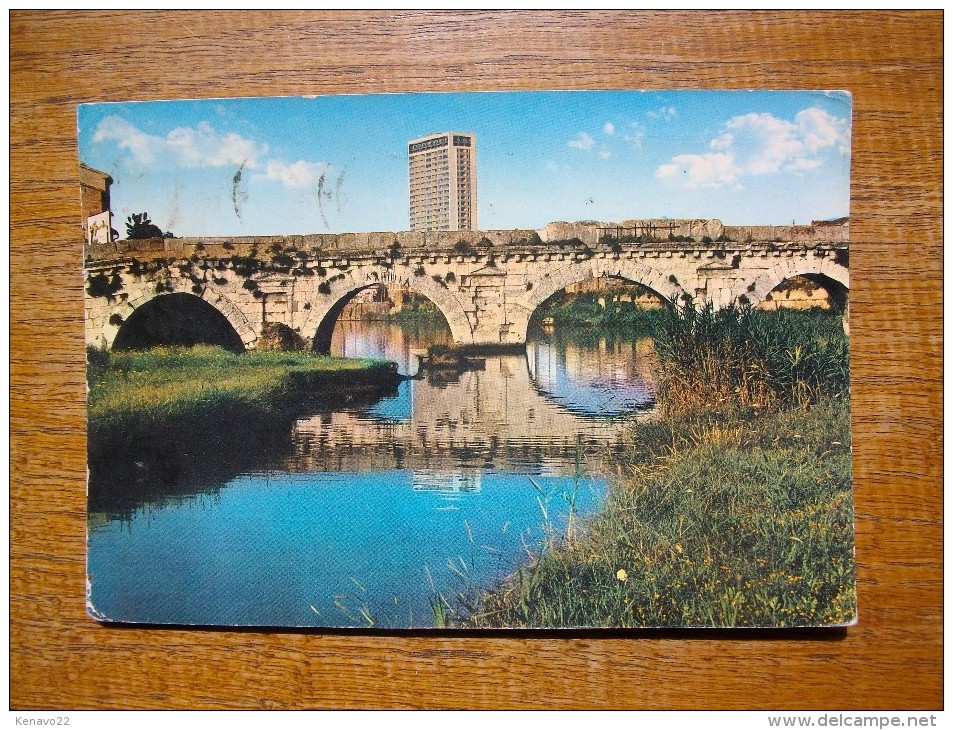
486, 283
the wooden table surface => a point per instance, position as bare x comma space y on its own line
892, 62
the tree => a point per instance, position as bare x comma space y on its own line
138, 225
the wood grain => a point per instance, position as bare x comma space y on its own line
891, 61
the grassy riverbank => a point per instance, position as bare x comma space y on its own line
155, 387
718, 519
732, 508
162, 419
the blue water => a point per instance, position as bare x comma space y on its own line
447, 486
316, 549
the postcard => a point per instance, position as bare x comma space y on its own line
469, 361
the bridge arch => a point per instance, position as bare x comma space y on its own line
637, 271
141, 294
823, 269
326, 307
177, 319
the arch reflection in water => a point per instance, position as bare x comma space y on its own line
594, 376
489, 418
388, 341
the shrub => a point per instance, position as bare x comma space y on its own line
278, 336
464, 248
101, 285
284, 261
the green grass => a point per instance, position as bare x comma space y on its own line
156, 388
172, 421
714, 520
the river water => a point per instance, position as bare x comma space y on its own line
369, 511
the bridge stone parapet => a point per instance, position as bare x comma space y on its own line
418, 242
662, 230
486, 283
593, 234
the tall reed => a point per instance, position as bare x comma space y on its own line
740, 356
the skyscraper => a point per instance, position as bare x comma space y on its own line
442, 181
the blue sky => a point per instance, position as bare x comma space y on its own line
263, 166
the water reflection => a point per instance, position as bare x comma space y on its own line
490, 418
328, 549
599, 376
364, 509
389, 340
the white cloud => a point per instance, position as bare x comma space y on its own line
760, 144
635, 135
605, 154
582, 141
722, 142
127, 137
608, 128
295, 175
203, 146
235, 149
663, 112
822, 130
711, 169
191, 147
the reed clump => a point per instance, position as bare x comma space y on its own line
742, 357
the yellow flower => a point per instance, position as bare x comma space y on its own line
622, 575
